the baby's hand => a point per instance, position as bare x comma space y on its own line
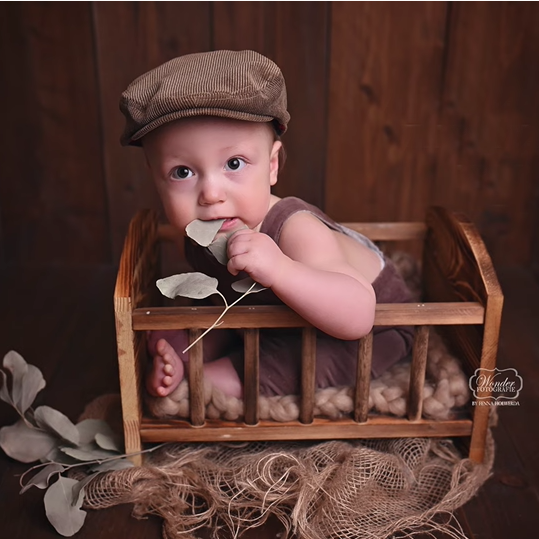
256, 254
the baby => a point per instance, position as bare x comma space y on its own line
210, 126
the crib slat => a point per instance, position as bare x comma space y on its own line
196, 379
417, 373
251, 375
308, 373
363, 379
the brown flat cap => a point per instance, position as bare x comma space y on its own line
242, 85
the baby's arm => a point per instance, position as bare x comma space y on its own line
309, 272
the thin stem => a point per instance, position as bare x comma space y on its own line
220, 316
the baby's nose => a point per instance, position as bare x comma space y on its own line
212, 191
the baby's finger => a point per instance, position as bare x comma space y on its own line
234, 265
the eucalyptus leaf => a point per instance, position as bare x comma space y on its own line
77, 489
15, 364
218, 249
41, 478
27, 382
108, 442
112, 465
89, 428
193, 285
88, 453
66, 516
245, 284
51, 419
59, 457
203, 232
32, 383
24, 443
4, 390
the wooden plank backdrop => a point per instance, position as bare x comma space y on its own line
395, 106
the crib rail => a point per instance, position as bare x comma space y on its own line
277, 316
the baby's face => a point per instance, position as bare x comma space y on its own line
212, 168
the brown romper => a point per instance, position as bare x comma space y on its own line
280, 349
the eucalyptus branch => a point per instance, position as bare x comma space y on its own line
67, 467
221, 315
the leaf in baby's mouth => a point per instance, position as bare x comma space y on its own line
203, 232
245, 286
193, 285
218, 249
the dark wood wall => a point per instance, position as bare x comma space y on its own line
394, 106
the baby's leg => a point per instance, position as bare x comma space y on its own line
168, 369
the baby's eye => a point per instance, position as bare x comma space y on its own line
182, 173
236, 163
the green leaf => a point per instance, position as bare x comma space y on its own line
59, 457
193, 285
4, 391
50, 419
89, 428
218, 249
27, 381
108, 442
88, 453
63, 512
24, 443
41, 479
77, 489
246, 285
203, 232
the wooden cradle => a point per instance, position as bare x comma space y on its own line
461, 296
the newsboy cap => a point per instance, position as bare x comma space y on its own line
242, 85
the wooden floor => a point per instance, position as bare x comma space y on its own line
62, 320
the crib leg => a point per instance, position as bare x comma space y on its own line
129, 379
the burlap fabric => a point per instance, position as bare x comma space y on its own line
345, 490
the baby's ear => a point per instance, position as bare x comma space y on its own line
274, 161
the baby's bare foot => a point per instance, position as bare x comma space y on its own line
167, 371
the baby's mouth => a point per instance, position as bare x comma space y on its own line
230, 224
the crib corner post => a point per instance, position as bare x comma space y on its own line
129, 379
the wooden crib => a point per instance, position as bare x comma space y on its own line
461, 296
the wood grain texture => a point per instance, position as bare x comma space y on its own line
132, 38
394, 107
488, 139
261, 316
196, 379
52, 197
295, 36
251, 339
363, 379
308, 375
384, 87
414, 404
320, 429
